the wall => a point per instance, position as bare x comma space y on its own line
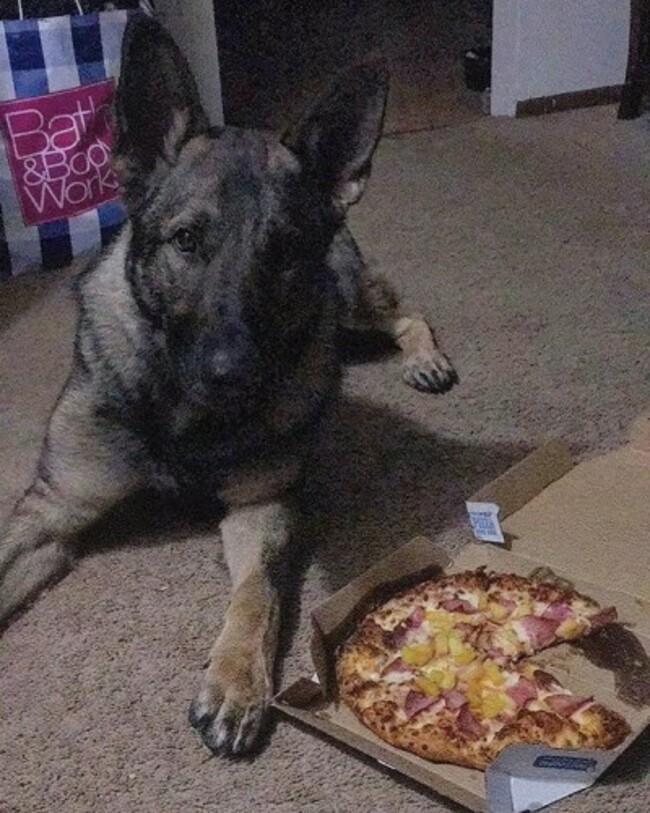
547, 47
192, 26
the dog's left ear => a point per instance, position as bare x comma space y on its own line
157, 105
337, 137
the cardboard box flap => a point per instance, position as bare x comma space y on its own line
334, 618
523, 481
593, 524
528, 777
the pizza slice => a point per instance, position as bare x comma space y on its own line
525, 616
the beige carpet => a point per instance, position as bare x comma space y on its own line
527, 243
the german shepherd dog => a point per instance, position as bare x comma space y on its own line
207, 348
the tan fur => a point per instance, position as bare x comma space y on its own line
237, 684
378, 308
263, 481
84, 482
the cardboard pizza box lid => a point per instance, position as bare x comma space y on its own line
587, 523
590, 521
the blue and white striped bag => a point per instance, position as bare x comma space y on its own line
59, 196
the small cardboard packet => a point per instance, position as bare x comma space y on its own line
587, 524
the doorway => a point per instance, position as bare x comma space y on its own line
276, 54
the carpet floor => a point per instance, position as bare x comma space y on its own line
526, 242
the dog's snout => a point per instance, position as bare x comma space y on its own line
229, 365
230, 360
218, 362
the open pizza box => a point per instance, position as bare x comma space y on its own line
590, 525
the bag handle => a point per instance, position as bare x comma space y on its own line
22, 16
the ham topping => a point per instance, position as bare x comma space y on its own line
566, 704
457, 605
398, 665
468, 724
508, 603
557, 611
398, 636
454, 699
416, 702
606, 616
540, 631
522, 692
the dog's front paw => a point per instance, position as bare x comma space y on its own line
226, 725
430, 371
230, 708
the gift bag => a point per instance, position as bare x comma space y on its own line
59, 195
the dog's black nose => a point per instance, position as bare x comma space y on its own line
232, 366
220, 362
228, 364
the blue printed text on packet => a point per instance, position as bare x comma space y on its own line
484, 518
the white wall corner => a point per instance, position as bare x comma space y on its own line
504, 92
549, 47
194, 29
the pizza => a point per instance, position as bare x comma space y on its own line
443, 669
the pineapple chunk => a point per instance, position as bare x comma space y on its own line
465, 656
475, 699
507, 639
570, 628
428, 685
483, 690
461, 653
473, 673
455, 644
417, 654
482, 601
444, 679
497, 611
440, 619
493, 704
441, 643
448, 681
492, 673
525, 608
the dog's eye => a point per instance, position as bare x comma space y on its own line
185, 241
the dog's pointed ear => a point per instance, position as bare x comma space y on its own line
337, 137
157, 105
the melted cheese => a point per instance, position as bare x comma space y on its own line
472, 597
397, 677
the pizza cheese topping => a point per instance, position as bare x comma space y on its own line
441, 669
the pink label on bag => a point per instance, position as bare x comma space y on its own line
59, 150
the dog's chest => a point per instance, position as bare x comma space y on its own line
199, 453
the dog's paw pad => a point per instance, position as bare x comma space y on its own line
430, 373
225, 725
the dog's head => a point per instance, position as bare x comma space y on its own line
230, 227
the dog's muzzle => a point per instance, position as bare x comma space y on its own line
229, 371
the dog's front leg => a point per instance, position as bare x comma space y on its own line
83, 471
229, 709
371, 303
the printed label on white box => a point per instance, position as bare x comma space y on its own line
484, 517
